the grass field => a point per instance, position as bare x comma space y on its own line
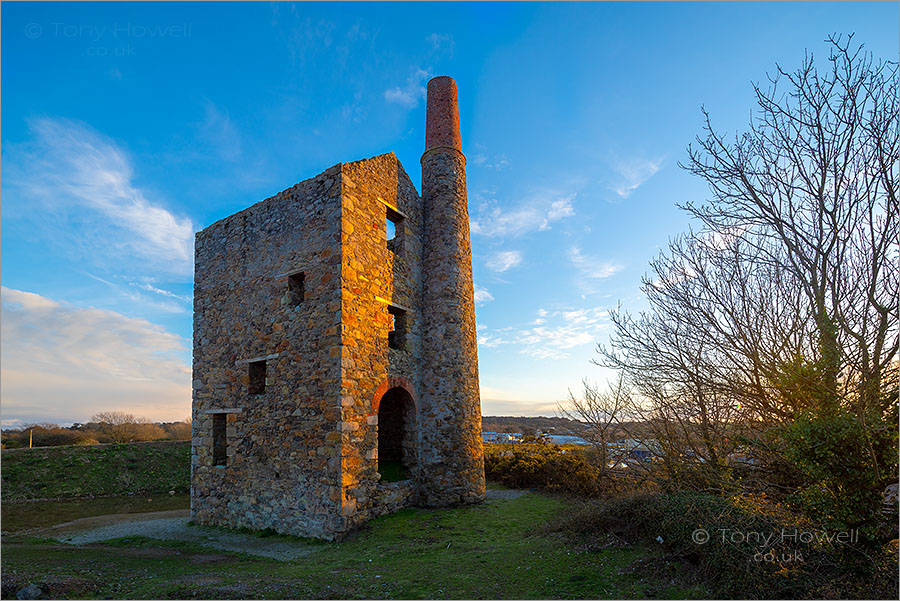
493, 550
97, 470
499, 549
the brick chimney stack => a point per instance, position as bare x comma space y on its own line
452, 460
442, 115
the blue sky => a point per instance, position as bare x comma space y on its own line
127, 127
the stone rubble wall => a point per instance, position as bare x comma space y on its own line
451, 456
283, 453
371, 271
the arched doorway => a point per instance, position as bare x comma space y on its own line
397, 453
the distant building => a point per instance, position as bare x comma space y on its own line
501, 437
560, 439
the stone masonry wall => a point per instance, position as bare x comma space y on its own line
373, 274
283, 449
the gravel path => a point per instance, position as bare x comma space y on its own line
493, 493
86, 531
173, 525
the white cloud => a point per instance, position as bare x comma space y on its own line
553, 333
678, 274
410, 94
63, 363
503, 260
592, 268
145, 302
632, 173
535, 214
482, 295
77, 185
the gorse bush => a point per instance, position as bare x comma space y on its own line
545, 466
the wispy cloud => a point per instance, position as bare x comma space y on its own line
219, 133
137, 299
503, 260
166, 293
482, 295
305, 38
409, 95
441, 42
536, 214
592, 268
675, 276
630, 174
721, 240
498, 163
64, 363
79, 181
552, 334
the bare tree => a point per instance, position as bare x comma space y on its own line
601, 411
119, 426
795, 268
812, 190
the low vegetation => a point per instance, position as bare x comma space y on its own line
741, 546
99, 470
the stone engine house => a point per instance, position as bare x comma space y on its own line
335, 372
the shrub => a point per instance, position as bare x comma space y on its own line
545, 466
754, 549
839, 460
45, 435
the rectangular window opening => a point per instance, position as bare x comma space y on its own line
393, 227
257, 377
397, 333
296, 284
220, 438
391, 230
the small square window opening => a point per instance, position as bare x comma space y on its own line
397, 333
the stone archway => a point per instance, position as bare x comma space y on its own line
397, 438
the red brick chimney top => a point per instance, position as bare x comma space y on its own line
442, 114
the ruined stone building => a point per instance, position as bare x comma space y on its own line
335, 367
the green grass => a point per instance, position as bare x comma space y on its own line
491, 550
99, 470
